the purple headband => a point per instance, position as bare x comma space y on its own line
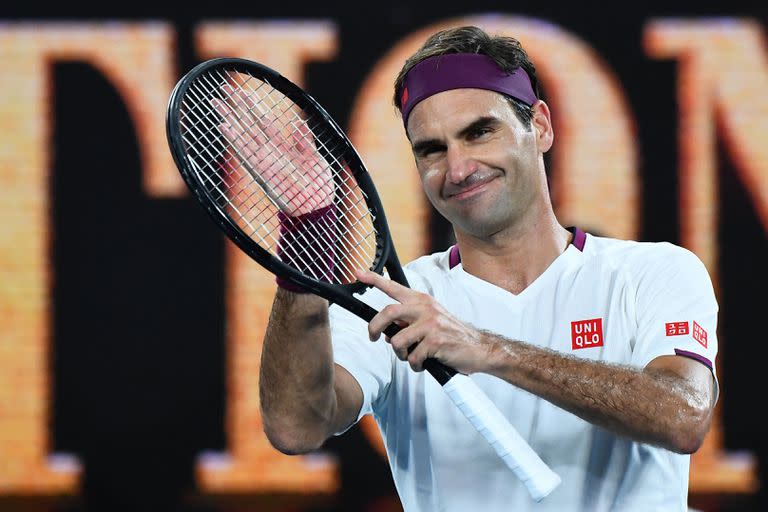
462, 71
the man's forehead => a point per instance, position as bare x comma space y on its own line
454, 109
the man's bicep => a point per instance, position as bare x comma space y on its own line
349, 399
697, 375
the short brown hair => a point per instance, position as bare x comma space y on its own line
506, 51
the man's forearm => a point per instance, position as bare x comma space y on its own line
653, 406
298, 400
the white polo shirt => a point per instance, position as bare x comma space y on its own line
602, 299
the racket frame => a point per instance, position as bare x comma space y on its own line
385, 255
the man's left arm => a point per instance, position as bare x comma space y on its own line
666, 397
668, 403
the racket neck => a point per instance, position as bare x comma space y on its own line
395, 270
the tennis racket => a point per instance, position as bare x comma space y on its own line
282, 180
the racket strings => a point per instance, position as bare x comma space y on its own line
243, 196
323, 224
319, 137
298, 258
345, 192
262, 155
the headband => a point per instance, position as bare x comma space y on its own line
462, 71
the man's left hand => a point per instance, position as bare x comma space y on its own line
428, 330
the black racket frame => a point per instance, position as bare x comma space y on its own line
341, 294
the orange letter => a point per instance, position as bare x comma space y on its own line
723, 77
127, 55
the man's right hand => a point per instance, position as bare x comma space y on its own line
279, 153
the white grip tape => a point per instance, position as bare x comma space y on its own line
511, 447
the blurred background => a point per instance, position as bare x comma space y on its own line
130, 330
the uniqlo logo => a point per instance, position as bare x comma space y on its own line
587, 333
699, 334
677, 328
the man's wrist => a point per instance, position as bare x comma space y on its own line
307, 243
502, 353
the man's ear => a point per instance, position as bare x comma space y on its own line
542, 123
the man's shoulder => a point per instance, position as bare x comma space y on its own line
640, 257
430, 263
426, 271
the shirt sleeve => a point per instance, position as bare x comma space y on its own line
676, 308
370, 363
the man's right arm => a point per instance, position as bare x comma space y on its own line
305, 397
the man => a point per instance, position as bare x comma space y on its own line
600, 352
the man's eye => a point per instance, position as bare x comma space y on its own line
431, 150
479, 132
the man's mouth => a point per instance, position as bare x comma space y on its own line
476, 187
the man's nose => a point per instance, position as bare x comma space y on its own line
460, 163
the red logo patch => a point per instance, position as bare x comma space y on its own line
676, 328
403, 98
699, 334
587, 333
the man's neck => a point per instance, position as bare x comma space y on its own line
515, 258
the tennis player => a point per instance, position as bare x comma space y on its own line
601, 352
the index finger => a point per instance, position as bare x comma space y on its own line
395, 290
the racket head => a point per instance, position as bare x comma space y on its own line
221, 174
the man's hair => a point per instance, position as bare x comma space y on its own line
507, 52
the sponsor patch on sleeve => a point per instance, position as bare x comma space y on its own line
676, 328
699, 334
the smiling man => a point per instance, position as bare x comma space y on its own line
599, 351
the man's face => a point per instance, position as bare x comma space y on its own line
479, 164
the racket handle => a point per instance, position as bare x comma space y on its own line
537, 477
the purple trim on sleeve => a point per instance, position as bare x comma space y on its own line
693, 355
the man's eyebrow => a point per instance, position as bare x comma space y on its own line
481, 122
422, 145
475, 125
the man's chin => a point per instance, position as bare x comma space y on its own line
479, 227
